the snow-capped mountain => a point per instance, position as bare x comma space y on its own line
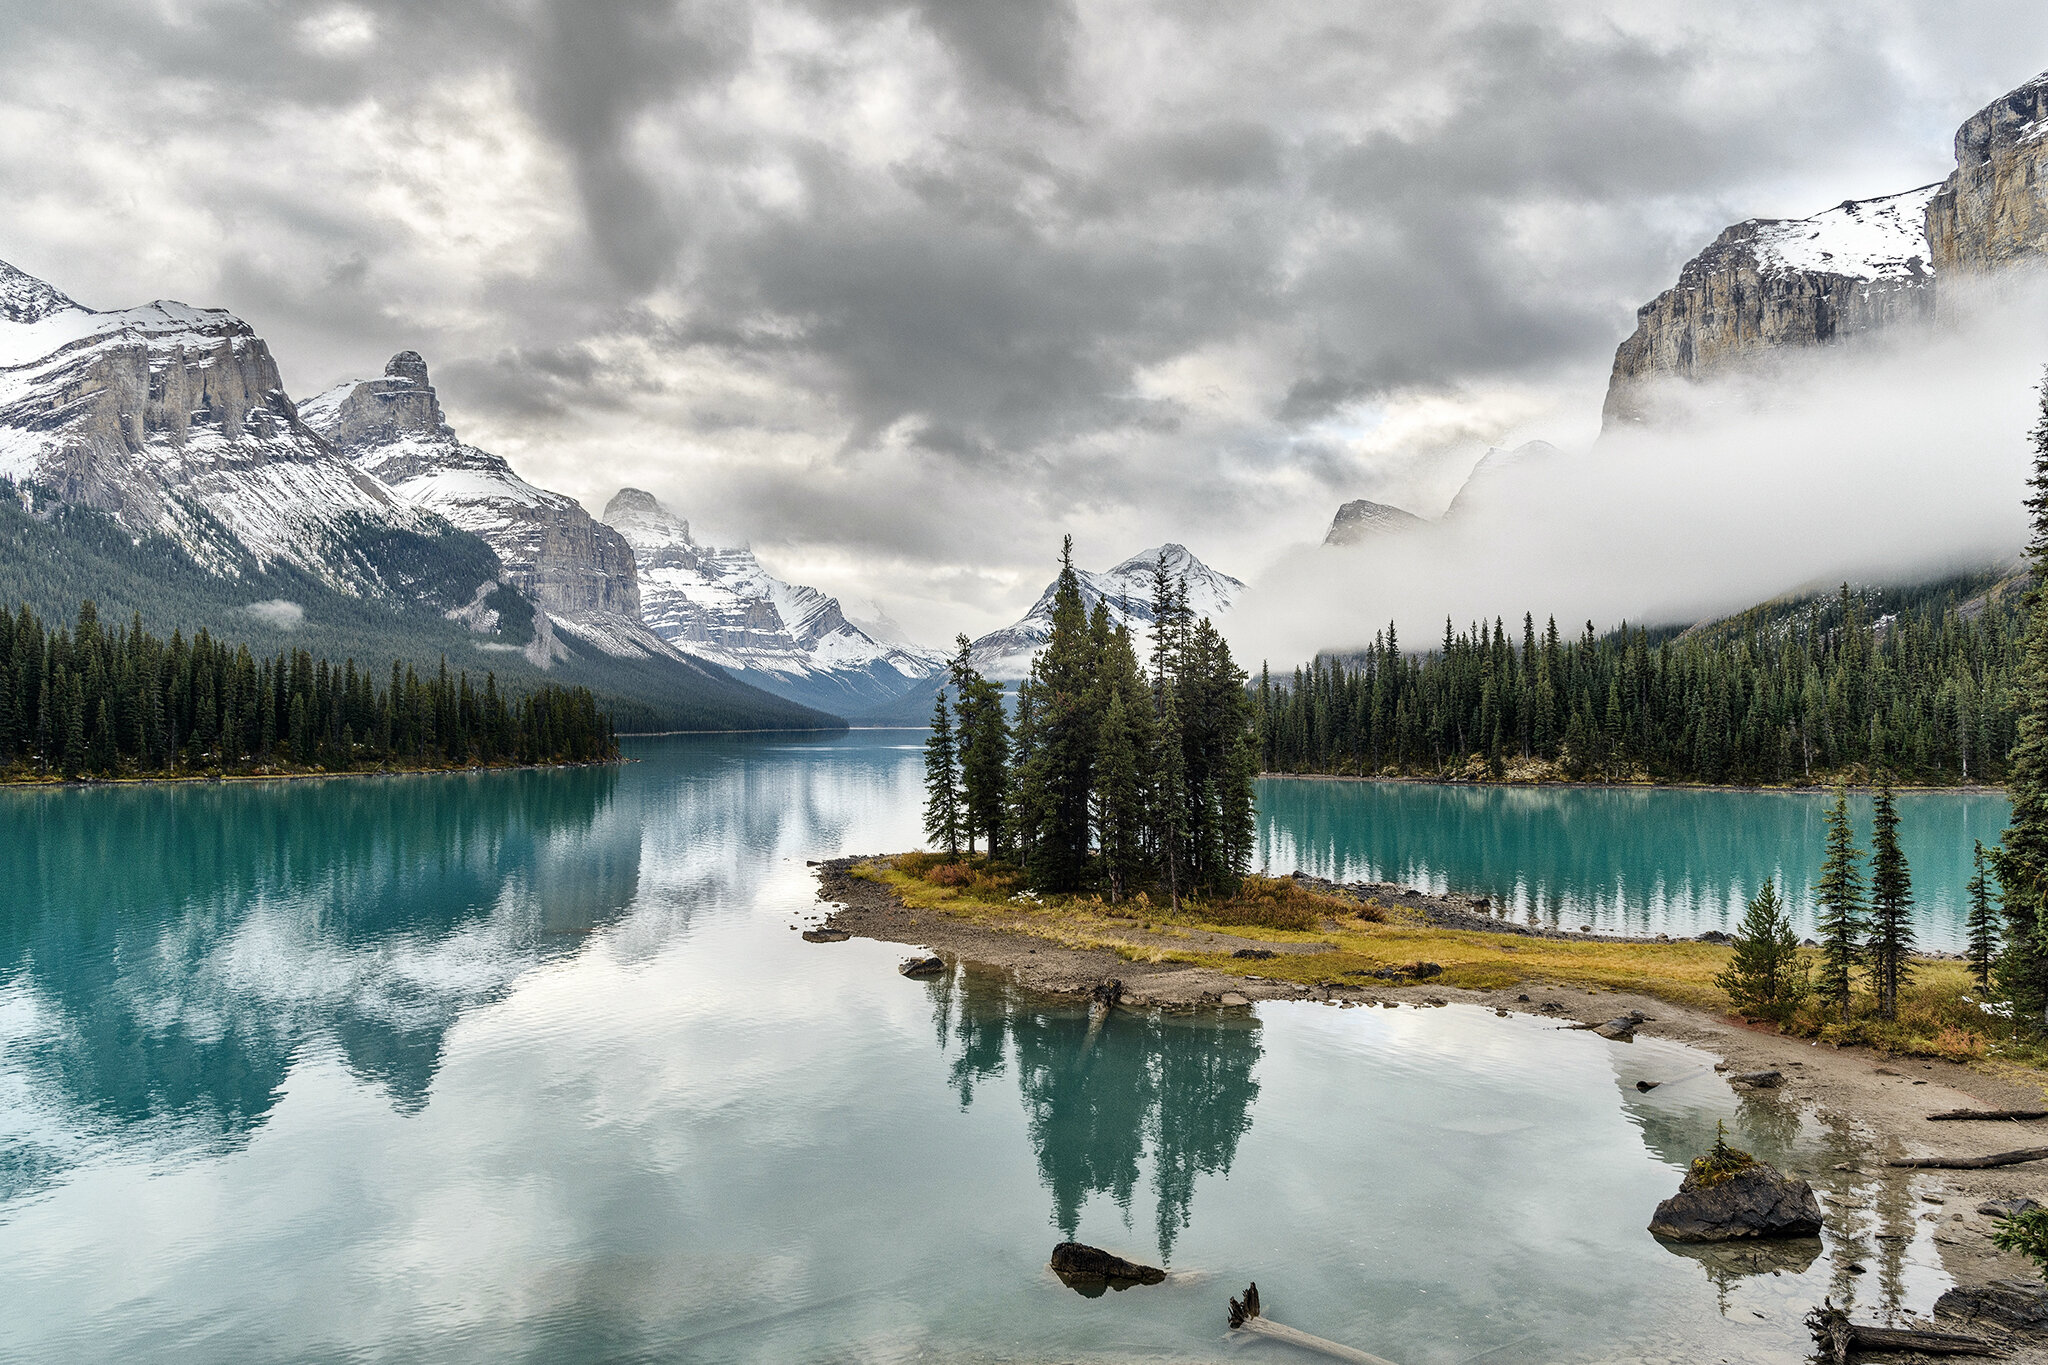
721, 605
173, 421
1126, 590
577, 570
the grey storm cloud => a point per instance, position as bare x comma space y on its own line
1150, 270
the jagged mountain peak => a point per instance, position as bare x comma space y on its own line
720, 603
24, 298
646, 524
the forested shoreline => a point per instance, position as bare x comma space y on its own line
1919, 685
88, 702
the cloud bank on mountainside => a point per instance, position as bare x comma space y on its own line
1890, 460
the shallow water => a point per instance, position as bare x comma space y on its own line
1624, 860
532, 1066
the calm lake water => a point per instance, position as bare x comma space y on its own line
1638, 861
532, 1066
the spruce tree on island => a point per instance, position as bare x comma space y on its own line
1891, 905
1840, 897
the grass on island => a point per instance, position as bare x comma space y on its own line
1939, 1015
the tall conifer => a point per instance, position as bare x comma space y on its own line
2021, 858
1982, 925
1840, 897
942, 780
1891, 904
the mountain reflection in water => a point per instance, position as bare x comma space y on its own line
177, 949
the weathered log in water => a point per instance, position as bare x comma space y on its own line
1839, 1338
1970, 1163
1952, 1115
1244, 1316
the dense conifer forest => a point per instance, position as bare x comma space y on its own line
95, 701
1918, 683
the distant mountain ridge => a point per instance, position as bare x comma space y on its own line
720, 604
1362, 521
151, 457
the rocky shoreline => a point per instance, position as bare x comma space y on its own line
1882, 1102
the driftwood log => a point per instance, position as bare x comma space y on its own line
1839, 1338
1952, 1115
1970, 1163
1244, 1316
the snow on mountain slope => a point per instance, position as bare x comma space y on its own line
579, 571
1127, 591
721, 605
1867, 239
173, 420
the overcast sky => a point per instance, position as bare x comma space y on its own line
900, 292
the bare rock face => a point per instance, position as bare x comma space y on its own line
1865, 265
566, 561
1769, 283
1362, 520
1757, 1201
1992, 211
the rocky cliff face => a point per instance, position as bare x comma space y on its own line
574, 567
1362, 520
720, 604
1863, 266
1992, 211
173, 421
1771, 283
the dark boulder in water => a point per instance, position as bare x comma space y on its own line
923, 966
1090, 1270
1753, 1201
826, 936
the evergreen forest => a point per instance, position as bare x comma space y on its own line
93, 701
1920, 683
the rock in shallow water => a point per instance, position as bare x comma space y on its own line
2019, 1304
1090, 1270
1757, 1201
923, 966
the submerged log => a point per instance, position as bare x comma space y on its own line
1244, 1316
1970, 1163
1952, 1115
1839, 1338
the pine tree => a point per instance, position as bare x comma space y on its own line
1982, 924
2021, 858
1891, 905
1119, 798
942, 780
1840, 897
981, 736
1063, 684
1763, 978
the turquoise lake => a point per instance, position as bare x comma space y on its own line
1623, 860
532, 1066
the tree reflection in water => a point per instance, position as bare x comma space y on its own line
1099, 1100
